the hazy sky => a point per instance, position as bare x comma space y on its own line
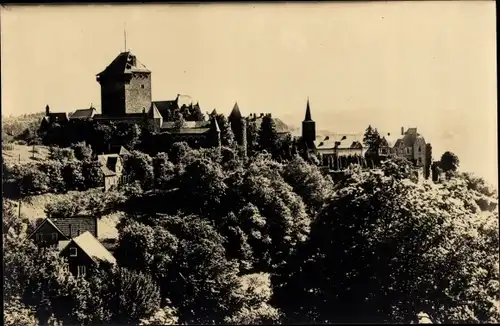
430, 65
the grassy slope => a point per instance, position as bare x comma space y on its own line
33, 208
24, 154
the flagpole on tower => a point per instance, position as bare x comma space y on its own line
125, 35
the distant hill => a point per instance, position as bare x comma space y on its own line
15, 125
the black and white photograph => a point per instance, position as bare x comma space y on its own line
250, 163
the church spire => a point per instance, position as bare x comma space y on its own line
308, 111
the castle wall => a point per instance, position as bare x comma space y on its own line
138, 93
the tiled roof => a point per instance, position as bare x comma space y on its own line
83, 113
58, 117
344, 140
93, 248
124, 63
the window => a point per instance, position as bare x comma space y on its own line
72, 252
78, 232
39, 237
419, 149
81, 271
54, 236
142, 86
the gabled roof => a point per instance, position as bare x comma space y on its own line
124, 63
93, 248
154, 112
58, 117
108, 163
49, 221
83, 113
214, 125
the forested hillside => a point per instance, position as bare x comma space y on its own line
209, 237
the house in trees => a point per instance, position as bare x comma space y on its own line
50, 231
83, 114
84, 252
52, 118
335, 151
112, 169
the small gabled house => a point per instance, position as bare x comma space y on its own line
52, 230
112, 169
84, 253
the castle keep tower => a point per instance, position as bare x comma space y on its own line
125, 87
308, 128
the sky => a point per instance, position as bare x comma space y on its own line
430, 65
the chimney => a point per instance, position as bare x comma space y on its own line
402, 131
261, 115
47, 110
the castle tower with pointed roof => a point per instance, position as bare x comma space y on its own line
125, 87
239, 128
308, 127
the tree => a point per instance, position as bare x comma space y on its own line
252, 136
33, 180
255, 292
428, 160
372, 140
16, 313
226, 133
127, 135
163, 170
61, 154
72, 174
94, 177
419, 246
53, 170
449, 162
308, 182
83, 152
178, 151
268, 136
138, 296
138, 167
202, 186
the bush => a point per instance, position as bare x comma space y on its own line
61, 154
83, 152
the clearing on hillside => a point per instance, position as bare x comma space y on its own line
24, 154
